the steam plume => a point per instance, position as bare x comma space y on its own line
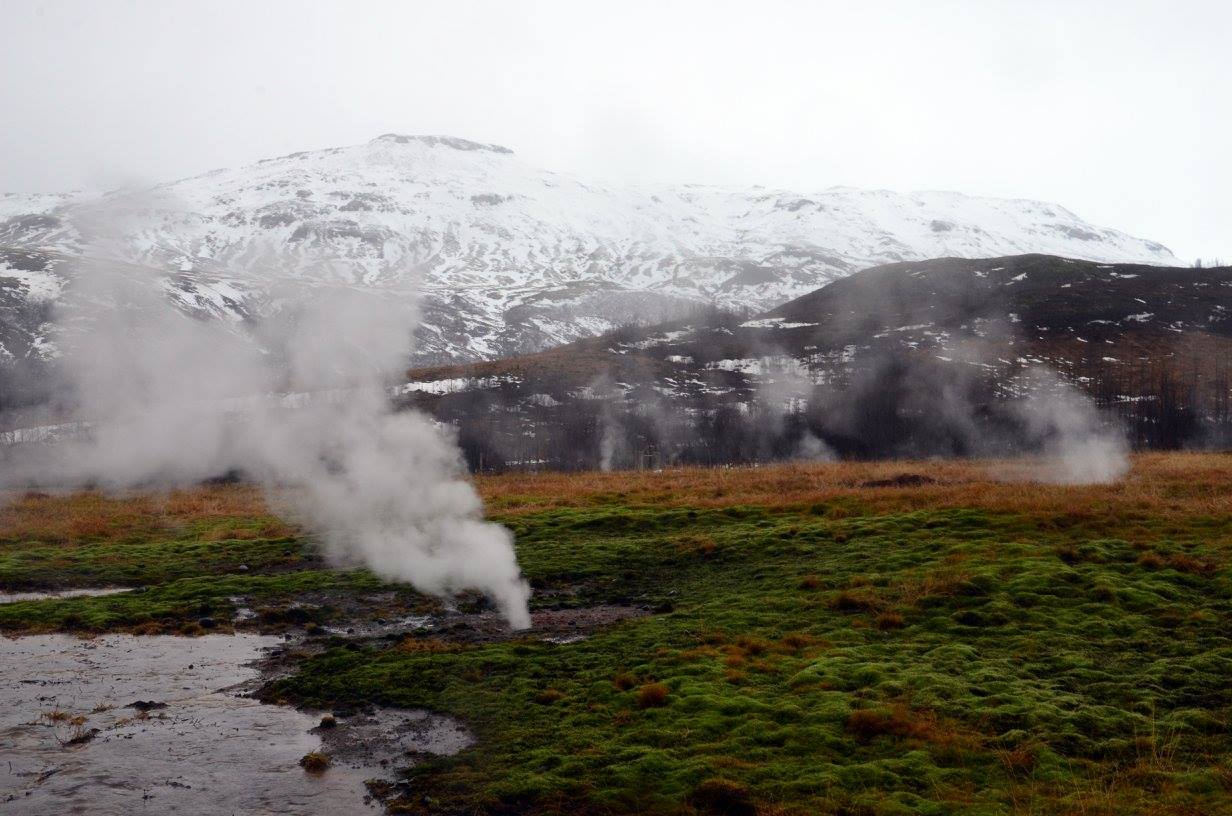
171, 399
1066, 427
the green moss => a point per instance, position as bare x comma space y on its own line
1003, 644
178, 602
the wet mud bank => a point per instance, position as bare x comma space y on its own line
121, 724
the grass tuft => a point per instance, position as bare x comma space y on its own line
722, 797
652, 695
315, 762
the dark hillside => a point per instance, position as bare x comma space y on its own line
926, 358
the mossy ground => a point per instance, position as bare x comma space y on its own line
964, 647
186, 556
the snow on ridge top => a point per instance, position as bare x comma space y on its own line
479, 232
442, 141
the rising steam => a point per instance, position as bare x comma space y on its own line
1078, 446
298, 402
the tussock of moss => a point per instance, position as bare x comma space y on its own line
315, 762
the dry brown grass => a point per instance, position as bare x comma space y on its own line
414, 645
549, 696
624, 681
942, 582
92, 516
889, 620
652, 695
919, 724
703, 546
1161, 486
811, 582
1168, 485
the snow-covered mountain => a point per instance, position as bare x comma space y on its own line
506, 257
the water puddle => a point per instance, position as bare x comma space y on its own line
127, 725
559, 626
14, 597
380, 627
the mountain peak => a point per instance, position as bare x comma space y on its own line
441, 141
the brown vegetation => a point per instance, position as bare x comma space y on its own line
1167, 485
80, 518
549, 696
429, 645
315, 762
652, 695
889, 620
624, 681
904, 722
722, 797
1161, 486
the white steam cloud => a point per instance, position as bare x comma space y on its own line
1078, 446
299, 403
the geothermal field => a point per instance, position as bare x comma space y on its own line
543, 408
894, 637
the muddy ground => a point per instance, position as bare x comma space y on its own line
120, 724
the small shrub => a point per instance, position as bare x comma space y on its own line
652, 695
1018, 761
753, 645
889, 620
624, 681
1151, 560
549, 696
810, 582
795, 641
1224, 774
431, 645
1183, 562
867, 723
276, 530
699, 545
722, 797
849, 601
1103, 593
315, 762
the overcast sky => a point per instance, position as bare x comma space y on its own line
1120, 110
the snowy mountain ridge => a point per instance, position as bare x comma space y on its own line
505, 258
